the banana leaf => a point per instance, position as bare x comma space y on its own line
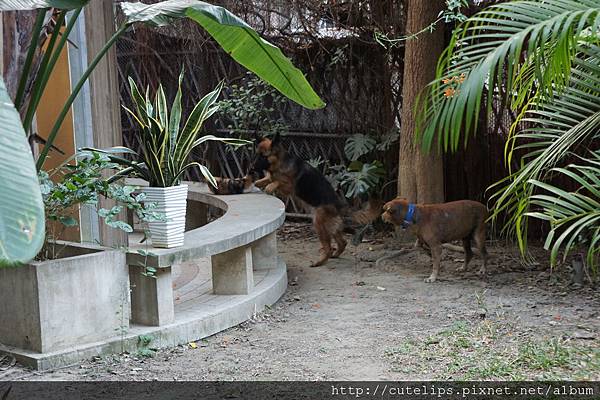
237, 38
22, 223
16, 5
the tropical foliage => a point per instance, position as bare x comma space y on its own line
240, 41
70, 185
233, 34
359, 145
237, 38
362, 173
22, 223
165, 147
250, 107
573, 216
543, 59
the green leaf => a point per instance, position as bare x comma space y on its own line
573, 216
206, 173
230, 141
161, 107
355, 166
238, 39
68, 221
362, 179
358, 145
16, 5
125, 227
175, 117
559, 127
517, 48
22, 223
194, 122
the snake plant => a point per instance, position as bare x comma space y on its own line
165, 142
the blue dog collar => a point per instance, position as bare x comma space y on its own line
408, 218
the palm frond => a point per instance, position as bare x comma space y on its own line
516, 49
560, 126
574, 217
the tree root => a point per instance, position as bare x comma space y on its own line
392, 255
448, 246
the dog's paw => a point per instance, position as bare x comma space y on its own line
270, 189
431, 279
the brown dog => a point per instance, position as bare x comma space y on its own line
435, 224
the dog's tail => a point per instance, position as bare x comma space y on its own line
364, 216
369, 213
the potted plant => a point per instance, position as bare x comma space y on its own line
39, 298
24, 203
70, 185
165, 147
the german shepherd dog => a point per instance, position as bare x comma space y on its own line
287, 175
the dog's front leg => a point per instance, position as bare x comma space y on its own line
272, 187
261, 183
436, 257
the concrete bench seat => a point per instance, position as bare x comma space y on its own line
226, 271
238, 243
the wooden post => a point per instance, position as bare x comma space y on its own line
105, 99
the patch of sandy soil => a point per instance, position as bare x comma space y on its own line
354, 320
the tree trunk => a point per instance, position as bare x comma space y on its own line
420, 175
15, 36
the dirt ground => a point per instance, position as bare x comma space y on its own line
353, 320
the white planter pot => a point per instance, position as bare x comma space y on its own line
171, 201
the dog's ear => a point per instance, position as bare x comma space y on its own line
402, 201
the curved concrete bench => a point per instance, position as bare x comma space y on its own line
239, 243
247, 275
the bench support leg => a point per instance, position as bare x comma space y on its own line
232, 271
264, 252
151, 298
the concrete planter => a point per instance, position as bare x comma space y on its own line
58, 304
171, 201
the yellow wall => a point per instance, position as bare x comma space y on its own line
56, 93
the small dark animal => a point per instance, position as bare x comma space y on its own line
233, 186
435, 224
